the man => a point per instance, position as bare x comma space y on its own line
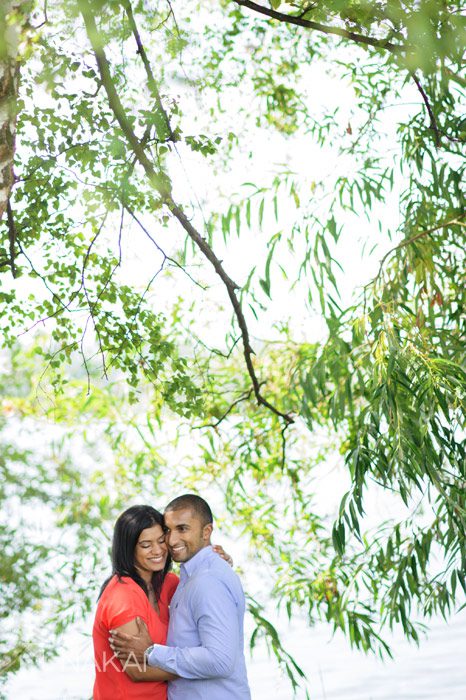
205, 635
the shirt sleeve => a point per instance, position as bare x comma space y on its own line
123, 604
216, 615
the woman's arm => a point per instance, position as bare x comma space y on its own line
139, 674
140, 671
218, 549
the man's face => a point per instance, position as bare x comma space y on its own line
185, 535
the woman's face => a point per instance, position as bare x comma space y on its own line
151, 551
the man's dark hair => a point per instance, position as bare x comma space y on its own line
197, 504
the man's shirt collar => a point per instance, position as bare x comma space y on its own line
189, 567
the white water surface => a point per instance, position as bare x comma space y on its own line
434, 671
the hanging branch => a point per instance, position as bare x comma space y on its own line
412, 239
430, 111
161, 184
299, 21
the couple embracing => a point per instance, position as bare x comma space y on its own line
156, 635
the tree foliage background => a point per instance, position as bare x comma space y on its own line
175, 304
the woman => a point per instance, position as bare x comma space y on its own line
140, 586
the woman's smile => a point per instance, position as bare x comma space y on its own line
151, 551
157, 560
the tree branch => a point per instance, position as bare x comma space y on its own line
430, 112
324, 28
161, 184
167, 132
231, 290
11, 237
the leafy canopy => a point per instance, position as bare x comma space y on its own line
117, 101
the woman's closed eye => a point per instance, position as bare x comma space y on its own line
147, 545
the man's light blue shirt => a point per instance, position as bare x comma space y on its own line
205, 636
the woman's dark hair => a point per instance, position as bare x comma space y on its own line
128, 527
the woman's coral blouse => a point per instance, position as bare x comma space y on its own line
121, 602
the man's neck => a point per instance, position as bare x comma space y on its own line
190, 563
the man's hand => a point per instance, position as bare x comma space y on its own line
131, 646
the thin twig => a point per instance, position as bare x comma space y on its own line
44, 281
64, 306
135, 315
152, 83
244, 397
52, 357
52, 156
149, 285
175, 21
83, 355
307, 9
162, 23
120, 234
161, 251
93, 305
180, 37
44, 21
216, 351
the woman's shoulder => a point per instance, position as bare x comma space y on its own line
122, 596
115, 581
122, 587
121, 601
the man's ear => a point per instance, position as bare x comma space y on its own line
207, 532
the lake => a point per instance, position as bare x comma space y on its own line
434, 671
